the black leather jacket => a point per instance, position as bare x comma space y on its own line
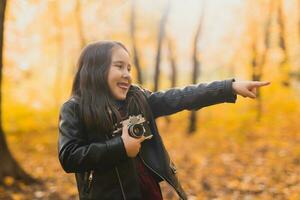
101, 166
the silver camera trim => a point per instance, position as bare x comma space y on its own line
133, 119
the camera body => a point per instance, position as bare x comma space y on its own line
137, 127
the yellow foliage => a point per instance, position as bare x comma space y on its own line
9, 181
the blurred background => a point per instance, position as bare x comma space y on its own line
247, 150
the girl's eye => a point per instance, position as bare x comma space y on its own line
119, 66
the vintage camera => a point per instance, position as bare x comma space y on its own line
137, 127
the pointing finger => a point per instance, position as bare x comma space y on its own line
261, 83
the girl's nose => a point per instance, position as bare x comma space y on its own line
126, 74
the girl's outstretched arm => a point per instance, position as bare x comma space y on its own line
191, 97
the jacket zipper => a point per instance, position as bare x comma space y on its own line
157, 173
89, 181
119, 179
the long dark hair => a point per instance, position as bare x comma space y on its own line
90, 86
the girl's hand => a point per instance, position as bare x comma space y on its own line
132, 145
248, 88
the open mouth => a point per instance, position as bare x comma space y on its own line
123, 86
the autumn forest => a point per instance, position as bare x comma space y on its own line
246, 150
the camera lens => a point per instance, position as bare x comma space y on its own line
136, 130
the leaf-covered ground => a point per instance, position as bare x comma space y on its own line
231, 156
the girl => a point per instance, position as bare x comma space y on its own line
108, 165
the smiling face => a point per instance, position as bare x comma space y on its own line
119, 77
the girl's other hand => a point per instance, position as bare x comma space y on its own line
132, 145
248, 88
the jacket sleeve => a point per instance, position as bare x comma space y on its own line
192, 97
75, 154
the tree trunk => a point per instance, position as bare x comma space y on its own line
173, 69
256, 76
299, 18
259, 63
196, 70
161, 35
59, 57
284, 64
80, 29
9, 166
136, 59
172, 63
